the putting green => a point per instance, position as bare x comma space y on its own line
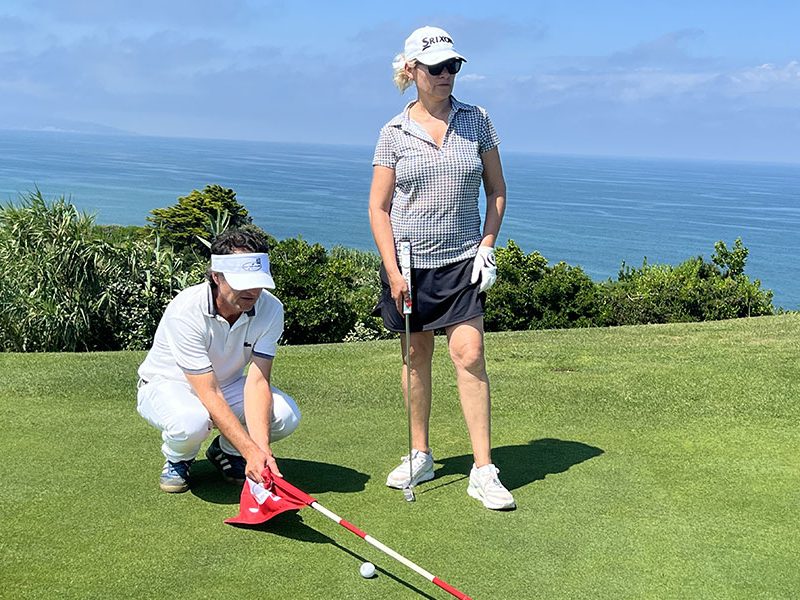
647, 462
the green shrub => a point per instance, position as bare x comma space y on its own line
315, 296
731, 262
360, 268
64, 286
530, 294
122, 234
152, 274
695, 290
67, 284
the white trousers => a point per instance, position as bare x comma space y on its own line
173, 408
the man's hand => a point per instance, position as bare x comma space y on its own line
484, 268
257, 462
272, 465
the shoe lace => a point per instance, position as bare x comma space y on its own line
492, 478
418, 460
180, 468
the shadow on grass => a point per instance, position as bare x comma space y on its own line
290, 525
523, 463
310, 476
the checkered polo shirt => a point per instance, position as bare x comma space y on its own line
435, 202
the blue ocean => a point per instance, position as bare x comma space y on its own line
587, 211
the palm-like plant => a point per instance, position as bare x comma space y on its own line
53, 271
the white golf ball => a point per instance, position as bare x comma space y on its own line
367, 570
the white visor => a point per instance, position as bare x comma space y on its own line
244, 271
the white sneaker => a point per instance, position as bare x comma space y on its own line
484, 485
421, 463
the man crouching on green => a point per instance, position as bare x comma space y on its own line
193, 377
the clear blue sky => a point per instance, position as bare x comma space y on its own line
706, 79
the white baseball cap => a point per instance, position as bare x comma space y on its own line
244, 271
430, 46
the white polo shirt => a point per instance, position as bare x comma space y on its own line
192, 338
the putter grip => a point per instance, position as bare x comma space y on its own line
405, 270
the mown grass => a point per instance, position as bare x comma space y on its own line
647, 462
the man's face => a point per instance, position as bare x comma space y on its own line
229, 300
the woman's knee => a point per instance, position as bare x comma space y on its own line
465, 343
469, 356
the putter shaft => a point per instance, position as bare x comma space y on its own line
409, 491
405, 269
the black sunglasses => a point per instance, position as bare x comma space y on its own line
453, 66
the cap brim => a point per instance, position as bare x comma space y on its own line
249, 281
434, 58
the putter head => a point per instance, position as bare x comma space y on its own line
408, 494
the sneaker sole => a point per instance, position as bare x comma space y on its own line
233, 480
477, 495
401, 486
174, 488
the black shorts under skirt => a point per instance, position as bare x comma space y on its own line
441, 297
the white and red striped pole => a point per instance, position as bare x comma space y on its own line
386, 550
284, 486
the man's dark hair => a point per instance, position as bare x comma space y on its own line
247, 239
230, 240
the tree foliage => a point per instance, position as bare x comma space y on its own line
199, 215
731, 262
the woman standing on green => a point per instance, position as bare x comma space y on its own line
429, 164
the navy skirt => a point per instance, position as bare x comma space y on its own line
441, 297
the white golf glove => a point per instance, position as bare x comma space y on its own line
484, 267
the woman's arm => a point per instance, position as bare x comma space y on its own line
495, 186
380, 202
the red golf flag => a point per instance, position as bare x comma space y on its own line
260, 502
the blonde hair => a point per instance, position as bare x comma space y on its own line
401, 78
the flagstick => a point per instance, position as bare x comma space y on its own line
288, 497
386, 550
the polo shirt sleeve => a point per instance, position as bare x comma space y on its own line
488, 137
267, 343
188, 344
385, 152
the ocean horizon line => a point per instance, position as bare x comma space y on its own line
366, 145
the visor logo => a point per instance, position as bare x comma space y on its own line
254, 265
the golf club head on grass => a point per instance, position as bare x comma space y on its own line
408, 494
